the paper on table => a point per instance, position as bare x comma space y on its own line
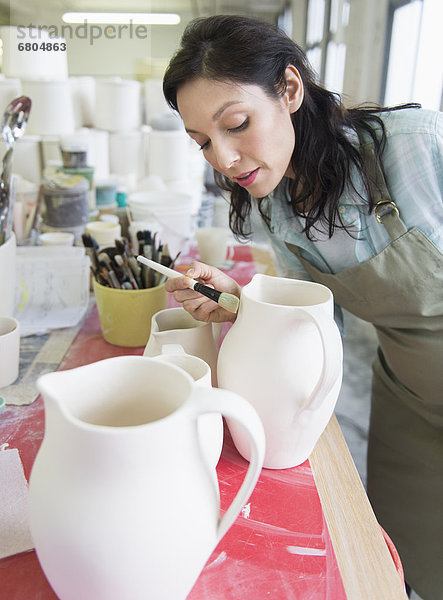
52, 288
15, 535
38, 355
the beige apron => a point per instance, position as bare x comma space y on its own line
400, 291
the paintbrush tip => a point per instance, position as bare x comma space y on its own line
229, 302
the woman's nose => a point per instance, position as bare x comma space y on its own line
226, 156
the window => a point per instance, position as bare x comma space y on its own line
326, 50
414, 64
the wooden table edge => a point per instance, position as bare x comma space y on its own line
366, 566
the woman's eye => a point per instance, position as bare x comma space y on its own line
240, 127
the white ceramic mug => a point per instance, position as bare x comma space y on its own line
8, 252
213, 245
9, 350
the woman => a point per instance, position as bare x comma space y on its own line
353, 198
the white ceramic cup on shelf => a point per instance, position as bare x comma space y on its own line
104, 232
213, 245
9, 350
57, 238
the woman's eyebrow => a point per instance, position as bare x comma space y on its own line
220, 111
218, 114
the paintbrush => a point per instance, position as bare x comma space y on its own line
227, 301
91, 248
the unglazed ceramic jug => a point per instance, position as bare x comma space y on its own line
210, 427
176, 326
284, 354
122, 502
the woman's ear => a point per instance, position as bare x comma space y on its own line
294, 89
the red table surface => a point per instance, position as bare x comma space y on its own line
279, 547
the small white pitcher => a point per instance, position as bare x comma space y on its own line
210, 427
176, 326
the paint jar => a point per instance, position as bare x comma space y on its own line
74, 151
125, 315
87, 173
73, 159
66, 200
105, 192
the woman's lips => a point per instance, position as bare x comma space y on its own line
246, 179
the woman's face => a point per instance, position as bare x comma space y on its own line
243, 133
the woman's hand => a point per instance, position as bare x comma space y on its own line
198, 306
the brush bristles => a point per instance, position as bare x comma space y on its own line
229, 302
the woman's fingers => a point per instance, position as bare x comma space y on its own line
198, 306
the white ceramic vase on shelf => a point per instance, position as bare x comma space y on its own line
284, 354
122, 502
176, 326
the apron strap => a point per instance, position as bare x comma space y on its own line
385, 210
386, 213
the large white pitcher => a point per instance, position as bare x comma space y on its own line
284, 354
176, 326
122, 502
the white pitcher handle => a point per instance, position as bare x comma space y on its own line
235, 407
332, 361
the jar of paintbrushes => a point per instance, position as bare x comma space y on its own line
127, 293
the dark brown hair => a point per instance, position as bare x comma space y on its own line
249, 51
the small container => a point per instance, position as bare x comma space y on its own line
105, 192
66, 200
126, 315
103, 232
121, 198
77, 231
57, 238
88, 173
74, 158
74, 152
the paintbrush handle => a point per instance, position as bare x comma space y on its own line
161, 268
226, 301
